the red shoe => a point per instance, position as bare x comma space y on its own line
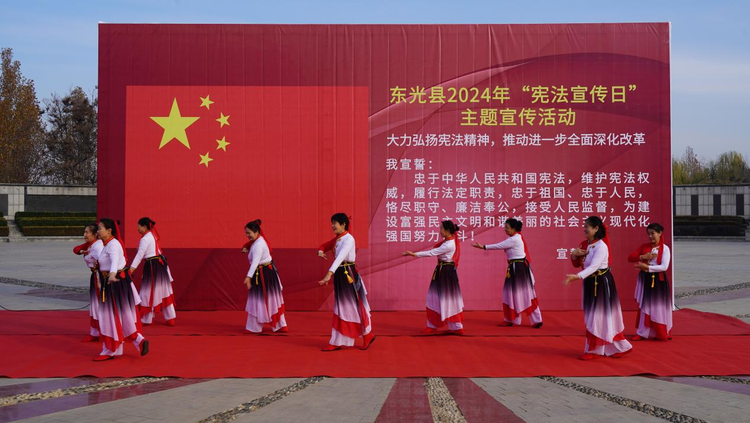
459, 332
538, 325
170, 322
103, 357
251, 332
282, 330
588, 356
90, 339
637, 338
620, 354
331, 348
505, 324
429, 330
368, 340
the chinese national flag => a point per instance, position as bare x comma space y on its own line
202, 161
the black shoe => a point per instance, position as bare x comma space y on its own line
144, 347
538, 325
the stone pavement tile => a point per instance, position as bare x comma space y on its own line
691, 257
330, 400
9, 381
729, 307
712, 297
52, 262
184, 404
407, 401
703, 403
536, 400
12, 297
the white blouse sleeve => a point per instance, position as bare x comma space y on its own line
600, 255
502, 245
143, 245
96, 250
445, 248
256, 252
665, 257
115, 254
342, 252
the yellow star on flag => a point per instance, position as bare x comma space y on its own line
174, 126
205, 159
223, 120
222, 143
206, 102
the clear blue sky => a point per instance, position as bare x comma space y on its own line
56, 43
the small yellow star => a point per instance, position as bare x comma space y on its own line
206, 102
223, 120
205, 159
222, 143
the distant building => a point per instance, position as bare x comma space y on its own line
46, 198
712, 200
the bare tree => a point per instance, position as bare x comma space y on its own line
70, 142
21, 128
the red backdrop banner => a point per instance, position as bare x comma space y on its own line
206, 127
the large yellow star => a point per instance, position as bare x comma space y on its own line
223, 120
206, 102
222, 143
174, 126
205, 159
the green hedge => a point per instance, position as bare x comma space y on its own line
54, 231
3, 222
739, 220
55, 214
709, 226
53, 221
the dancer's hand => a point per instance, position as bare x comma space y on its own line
112, 278
248, 281
570, 279
477, 245
409, 253
649, 256
579, 253
326, 279
642, 266
322, 255
130, 270
245, 250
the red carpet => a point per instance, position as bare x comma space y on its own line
212, 345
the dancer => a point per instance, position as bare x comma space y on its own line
118, 311
156, 283
602, 312
265, 302
90, 251
519, 296
445, 305
351, 311
652, 290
